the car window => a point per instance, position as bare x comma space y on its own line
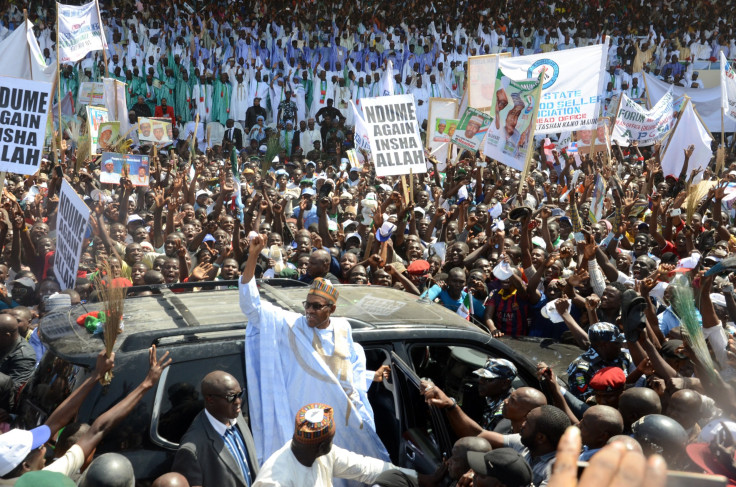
178, 397
52, 382
451, 368
382, 398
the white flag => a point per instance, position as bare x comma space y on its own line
80, 31
26, 61
728, 88
387, 80
689, 131
361, 140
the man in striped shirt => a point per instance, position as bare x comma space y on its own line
508, 308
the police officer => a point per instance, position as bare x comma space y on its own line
605, 351
494, 385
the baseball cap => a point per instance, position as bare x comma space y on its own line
711, 429
539, 242
669, 349
16, 444
309, 191
608, 379
504, 464
497, 368
348, 223
311, 163
354, 235
384, 233
605, 332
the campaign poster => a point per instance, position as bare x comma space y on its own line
471, 129
512, 129
154, 131
96, 116
71, 226
108, 135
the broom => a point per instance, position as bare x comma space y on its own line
683, 303
720, 159
694, 195
113, 299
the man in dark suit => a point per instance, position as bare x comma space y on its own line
233, 134
218, 449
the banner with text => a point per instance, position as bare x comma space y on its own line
509, 137
728, 88
481, 81
71, 227
635, 123
393, 129
471, 129
571, 94
23, 113
91, 93
80, 31
360, 139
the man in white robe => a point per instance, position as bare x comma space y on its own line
294, 359
238, 97
309, 458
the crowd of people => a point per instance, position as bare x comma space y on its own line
528, 253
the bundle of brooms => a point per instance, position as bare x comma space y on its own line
113, 299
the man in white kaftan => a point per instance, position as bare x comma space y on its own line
294, 359
309, 458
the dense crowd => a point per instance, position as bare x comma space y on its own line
516, 256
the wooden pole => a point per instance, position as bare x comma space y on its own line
674, 129
533, 122
58, 71
102, 33
28, 46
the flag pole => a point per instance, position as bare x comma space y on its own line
102, 34
674, 129
721, 152
28, 46
533, 123
58, 74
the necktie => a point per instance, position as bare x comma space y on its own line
237, 449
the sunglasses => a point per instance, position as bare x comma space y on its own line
314, 306
231, 397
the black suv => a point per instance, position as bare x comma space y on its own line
204, 331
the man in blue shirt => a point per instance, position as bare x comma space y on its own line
306, 213
452, 297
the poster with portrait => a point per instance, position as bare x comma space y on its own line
96, 116
442, 122
111, 167
512, 129
115, 166
108, 134
471, 129
154, 131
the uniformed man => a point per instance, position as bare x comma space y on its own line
494, 385
315, 154
605, 351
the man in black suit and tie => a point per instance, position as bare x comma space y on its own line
233, 134
218, 449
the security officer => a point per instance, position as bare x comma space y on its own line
494, 385
605, 351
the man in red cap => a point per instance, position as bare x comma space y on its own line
608, 384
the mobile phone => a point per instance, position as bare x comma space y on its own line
59, 172
676, 212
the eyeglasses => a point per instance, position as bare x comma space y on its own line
314, 306
231, 397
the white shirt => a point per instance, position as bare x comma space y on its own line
283, 469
